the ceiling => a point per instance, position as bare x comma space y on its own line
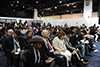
45, 7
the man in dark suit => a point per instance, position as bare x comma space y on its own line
48, 49
76, 43
13, 48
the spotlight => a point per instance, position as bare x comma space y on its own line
60, 1
55, 7
36, 1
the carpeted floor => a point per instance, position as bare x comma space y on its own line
94, 61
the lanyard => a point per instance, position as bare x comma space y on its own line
36, 56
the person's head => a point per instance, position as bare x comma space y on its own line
10, 31
16, 34
29, 33
37, 42
77, 31
68, 33
60, 34
82, 32
45, 34
30, 29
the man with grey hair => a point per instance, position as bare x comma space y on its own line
10, 32
48, 49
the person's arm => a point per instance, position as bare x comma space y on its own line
68, 44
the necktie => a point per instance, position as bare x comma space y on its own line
49, 45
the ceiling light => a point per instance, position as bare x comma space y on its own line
67, 10
68, 5
17, 1
14, 10
13, 1
55, 7
16, 5
11, 4
74, 6
60, 1
36, 1
42, 12
23, 6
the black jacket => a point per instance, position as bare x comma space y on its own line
8, 45
30, 58
73, 40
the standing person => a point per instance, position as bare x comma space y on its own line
48, 49
59, 44
35, 57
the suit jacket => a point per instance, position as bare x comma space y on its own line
46, 50
30, 57
74, 40
80, 37
8, 45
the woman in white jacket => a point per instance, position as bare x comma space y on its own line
59, 44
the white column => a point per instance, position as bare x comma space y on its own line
35, 14
87, 8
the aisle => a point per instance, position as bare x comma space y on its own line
95, 60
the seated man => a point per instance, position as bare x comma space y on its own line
75, 52
34, 57
13, 48
76, 43
48, 49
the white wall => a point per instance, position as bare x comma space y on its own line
74, 22
68, 16
72, 19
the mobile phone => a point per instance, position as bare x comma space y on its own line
51, 59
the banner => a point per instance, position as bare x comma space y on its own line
87, 8
35, 14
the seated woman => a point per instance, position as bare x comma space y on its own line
28, 38
59, 44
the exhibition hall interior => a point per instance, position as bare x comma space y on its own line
50, 33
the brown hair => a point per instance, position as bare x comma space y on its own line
60, 33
